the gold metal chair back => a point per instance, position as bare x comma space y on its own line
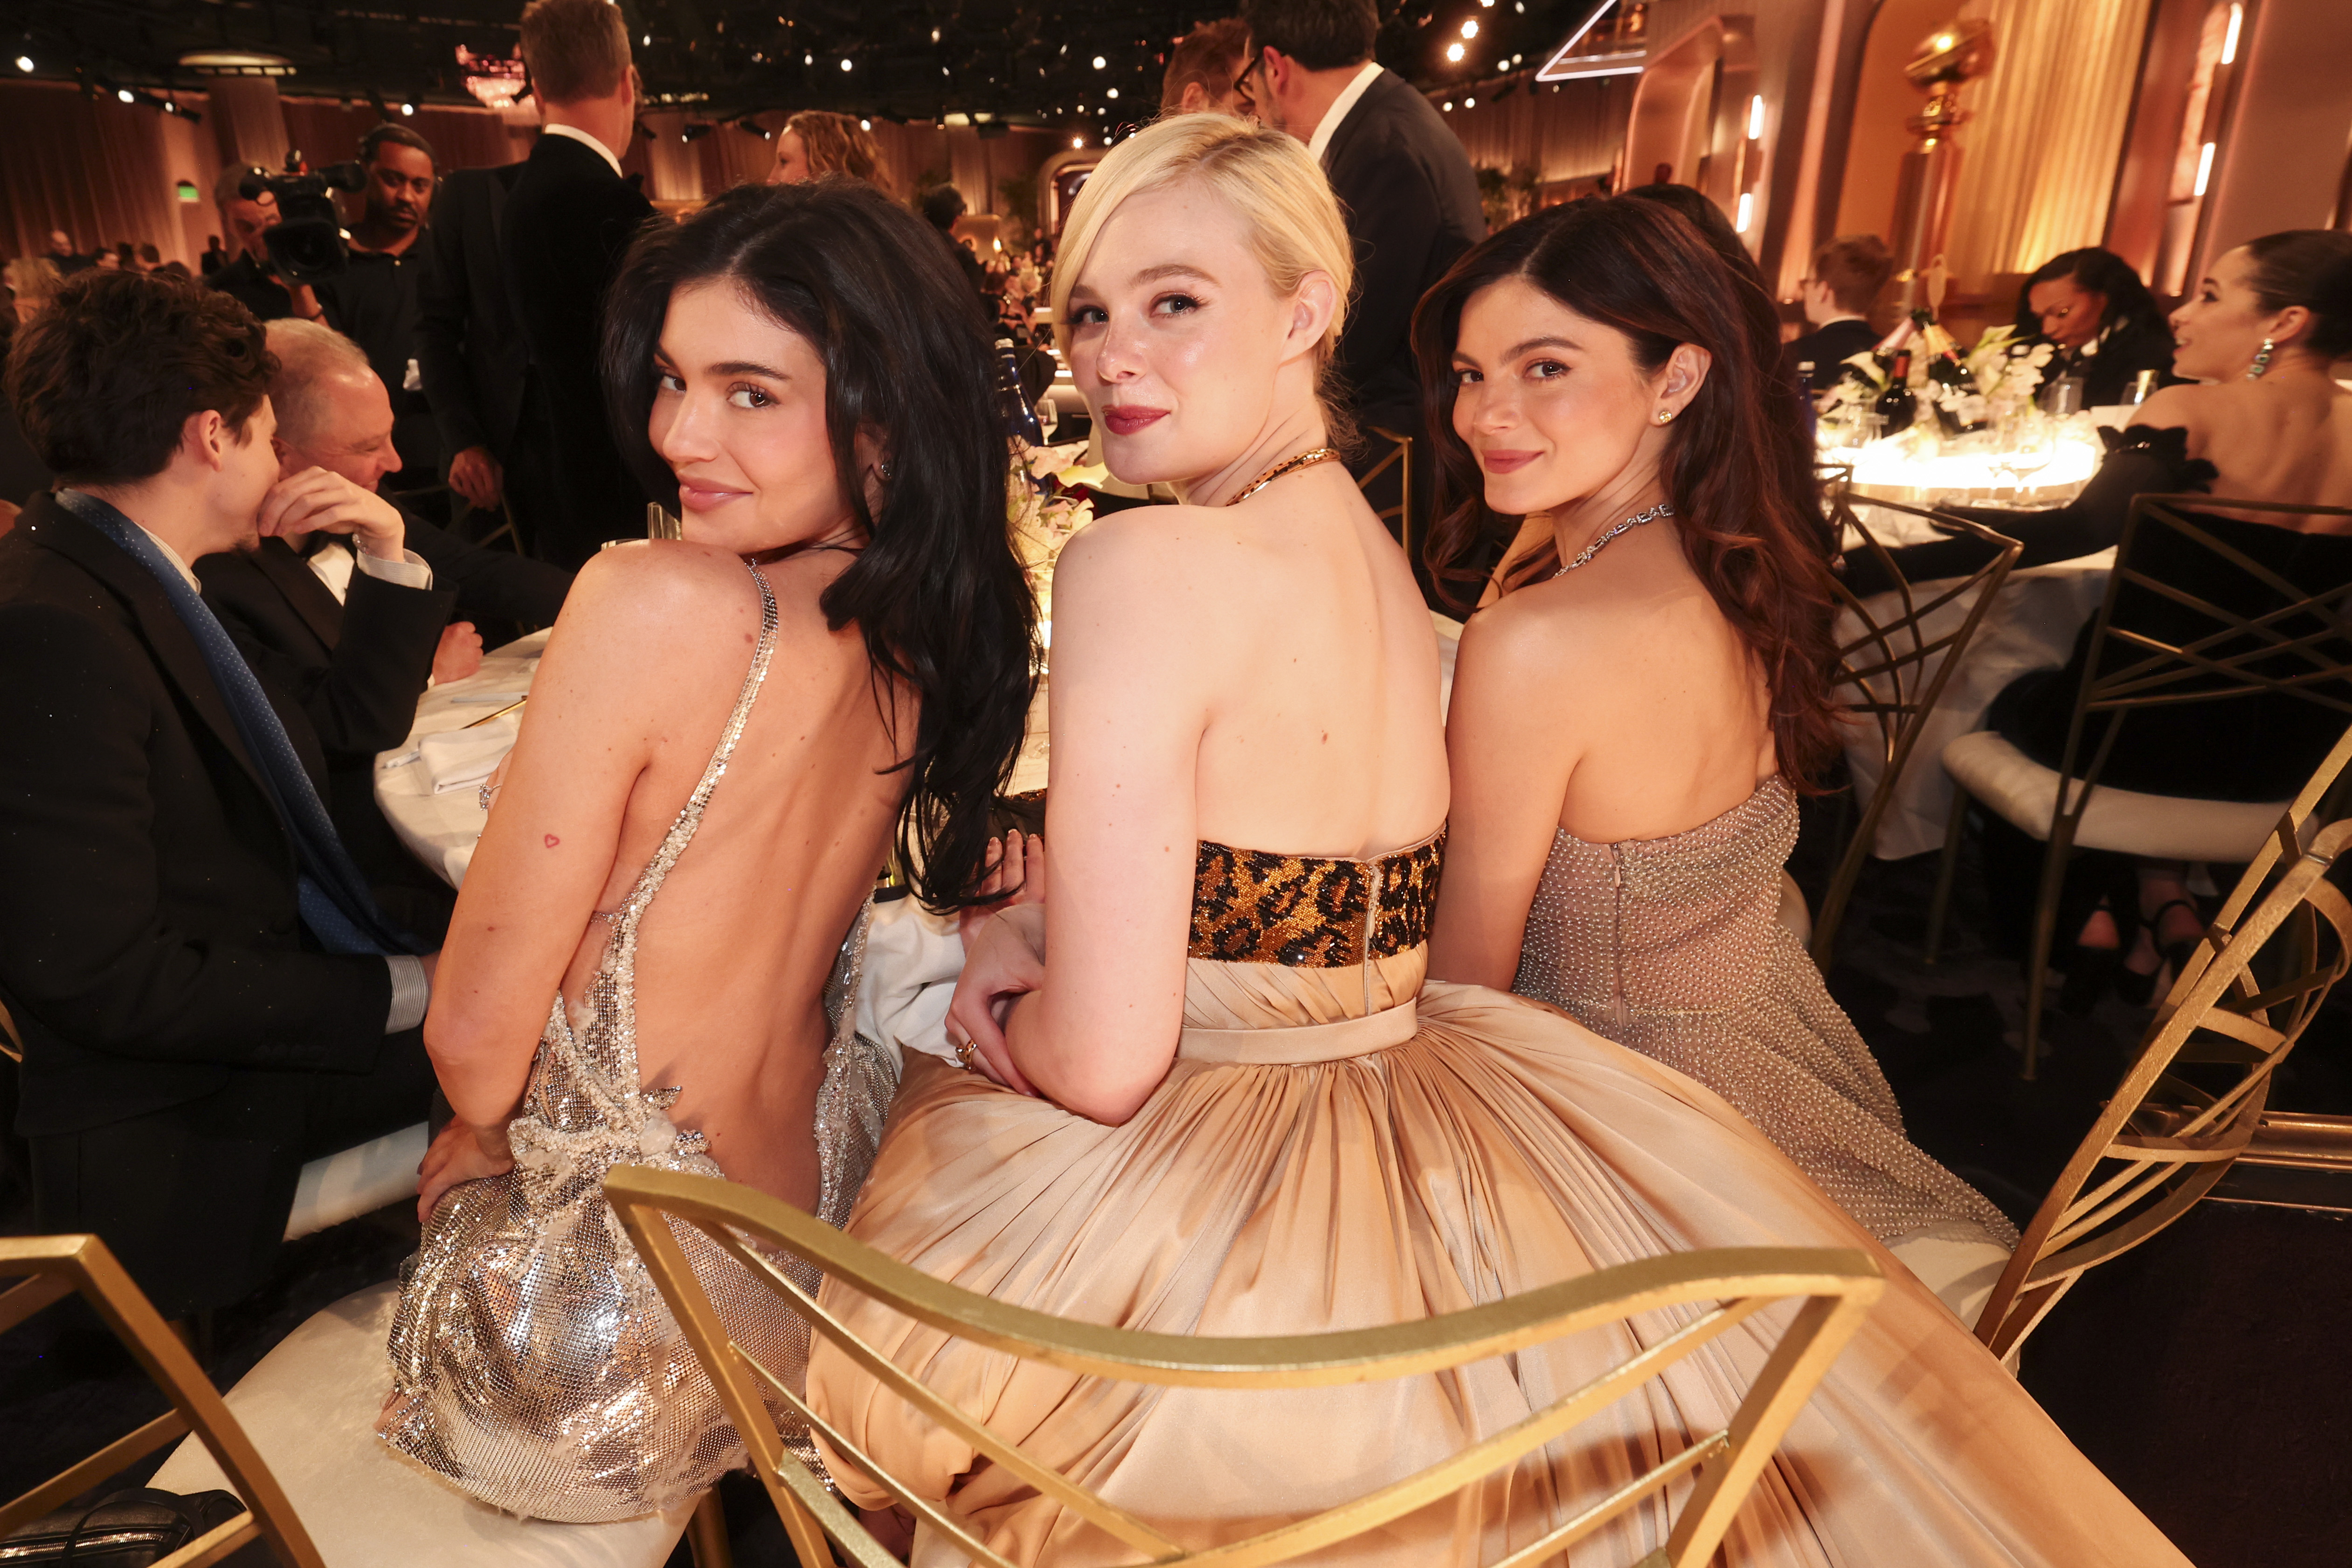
2239, 656
1398, 457
1835, 1288
1898, 666
54, 1266
2194, 1099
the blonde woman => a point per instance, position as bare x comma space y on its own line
815, 143
1205, 1089
31, 279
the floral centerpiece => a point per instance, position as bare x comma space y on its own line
2004, 371
1045, 504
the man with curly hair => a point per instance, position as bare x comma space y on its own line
206, 992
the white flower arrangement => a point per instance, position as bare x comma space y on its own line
1043, 514
2007, 370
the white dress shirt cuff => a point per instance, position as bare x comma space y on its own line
410, 992
409, 571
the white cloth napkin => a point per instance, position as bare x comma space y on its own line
912, 959
463, 759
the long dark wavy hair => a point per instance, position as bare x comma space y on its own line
1738, 467
936, 592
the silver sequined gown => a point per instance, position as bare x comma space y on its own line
1669, 946
543, 1373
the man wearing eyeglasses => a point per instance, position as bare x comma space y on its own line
1403, 179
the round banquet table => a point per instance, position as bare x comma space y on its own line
2031, 625
440, 818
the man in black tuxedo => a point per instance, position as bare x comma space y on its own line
304, 600
471, 354
207, 994
1403, 182
1847, 274
568, 222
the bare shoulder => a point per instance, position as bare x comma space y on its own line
2191, 404
1145, 556
656, 605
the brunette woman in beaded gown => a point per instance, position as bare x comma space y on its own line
666, 902
1630, 723
1211, 1093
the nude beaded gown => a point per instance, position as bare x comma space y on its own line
1339, 1145
1670, 946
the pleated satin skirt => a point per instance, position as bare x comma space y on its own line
1339, 1149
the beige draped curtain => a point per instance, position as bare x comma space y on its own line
2040, 152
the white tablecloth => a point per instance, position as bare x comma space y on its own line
2031, 626
440, 829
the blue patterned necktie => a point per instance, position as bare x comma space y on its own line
333, 894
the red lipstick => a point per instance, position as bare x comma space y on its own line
1126, 419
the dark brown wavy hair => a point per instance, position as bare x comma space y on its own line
1738, 467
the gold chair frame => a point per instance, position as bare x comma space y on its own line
1897, 672
2235, 643
54, 1266
2163, 1142
1837, 1289
1400, 457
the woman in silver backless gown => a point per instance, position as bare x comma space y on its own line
1633, 720
654, 959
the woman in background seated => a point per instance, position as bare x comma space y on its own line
1628, 736
2106, 326
1210, 1092
721, 740
2262, 332
815, 142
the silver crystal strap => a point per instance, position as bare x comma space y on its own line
689, 816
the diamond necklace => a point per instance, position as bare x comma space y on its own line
1663, 509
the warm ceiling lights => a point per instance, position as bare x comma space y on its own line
24, 62
1112, 93
123, 93
1453, 52
235, 63
844, 65
1100, 62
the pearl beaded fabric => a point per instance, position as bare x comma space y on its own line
534, 1362
1669, 947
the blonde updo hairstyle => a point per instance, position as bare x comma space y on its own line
1267, 177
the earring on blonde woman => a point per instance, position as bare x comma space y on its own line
2262, 364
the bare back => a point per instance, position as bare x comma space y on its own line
734, 949
1323, 735
2275, 440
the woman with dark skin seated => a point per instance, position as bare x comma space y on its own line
2268, 423
2106, 326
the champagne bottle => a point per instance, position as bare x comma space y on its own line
1896, 407
1945, 368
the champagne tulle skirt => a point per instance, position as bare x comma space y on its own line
1397, 1162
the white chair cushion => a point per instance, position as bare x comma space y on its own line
358, 1181
311, 1409
2161, 826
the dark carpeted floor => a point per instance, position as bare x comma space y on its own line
2204, 1372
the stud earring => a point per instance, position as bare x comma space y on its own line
1665, 416
2262, 364
882, 470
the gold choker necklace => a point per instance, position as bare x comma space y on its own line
1306, 459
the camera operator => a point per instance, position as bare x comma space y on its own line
373, 300
247, 275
